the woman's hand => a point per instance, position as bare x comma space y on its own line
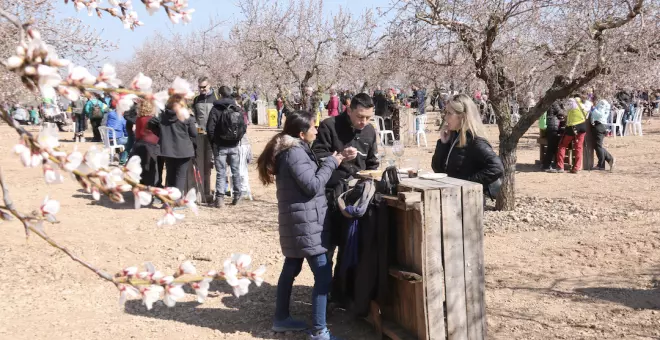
349, 153
445, 135
339, 157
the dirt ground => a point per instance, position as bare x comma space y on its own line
577, 260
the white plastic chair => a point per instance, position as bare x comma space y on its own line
244, 151
110, 142
616, 123
420, 124
382, 132
635, 123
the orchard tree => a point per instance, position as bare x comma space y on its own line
550, 47
40, 70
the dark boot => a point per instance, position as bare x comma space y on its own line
219, 202
237, 198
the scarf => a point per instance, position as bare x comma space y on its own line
354, 212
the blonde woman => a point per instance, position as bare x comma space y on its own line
462, 151
146, 143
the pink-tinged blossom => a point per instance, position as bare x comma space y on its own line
49, 208
166, 280
201, 289
150, 295
170, 218
79, 75
187, 268
96, 195
142, 198
130, 271
126, 292
133, 168
257, 275
187, 16
241, 287
230, 272
181, 87
182, 113
49, 78
108, 76
141, 82
48, 139
24, 153
160, 99
52, 176
190, 199
173, 193
152, 6
114, 3
173, 293
174, 17
71, 93
242, 261
73, 161
97, 159
125, 102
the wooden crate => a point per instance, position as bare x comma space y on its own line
437, 283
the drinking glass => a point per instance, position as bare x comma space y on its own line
398, 151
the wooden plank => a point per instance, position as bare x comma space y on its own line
474, 261
417, 222
420, 315
403, 275
410, 197
433, 273
376, 320
452, 244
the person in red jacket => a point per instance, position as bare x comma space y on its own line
333, 104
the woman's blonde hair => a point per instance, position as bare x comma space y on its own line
145, 108
463, 106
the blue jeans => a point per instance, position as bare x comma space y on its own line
279, 119
227, 156
123, 156
321, 266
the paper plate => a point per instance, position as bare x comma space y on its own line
404, 170
432, 176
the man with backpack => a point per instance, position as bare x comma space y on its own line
95, 110
225, 129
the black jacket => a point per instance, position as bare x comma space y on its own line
212, 123
476, 162
383, 106
177, 138
336, 134
552, 118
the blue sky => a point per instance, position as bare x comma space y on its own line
111, 28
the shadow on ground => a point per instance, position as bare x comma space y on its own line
251, 314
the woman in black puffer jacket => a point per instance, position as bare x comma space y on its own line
462, 151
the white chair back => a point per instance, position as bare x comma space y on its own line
108, 136
380, 123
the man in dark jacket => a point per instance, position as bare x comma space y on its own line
226, 151
552, 134
203, 103
352, 135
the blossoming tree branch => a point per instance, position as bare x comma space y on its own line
40, 69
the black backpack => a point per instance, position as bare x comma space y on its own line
231, 125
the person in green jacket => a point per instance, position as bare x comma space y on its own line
34, 116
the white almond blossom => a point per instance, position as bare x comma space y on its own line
170, 218
108, 76
133, 168
52, 176
126, 292
173, 293
24, 153
202, 289
187, 268
242, 261
190, 199
257, 275
142, 198
73, 161
153, 6
241, 288
49, 208
141, 83
150, 295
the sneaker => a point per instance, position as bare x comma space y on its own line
555, 171
575, 171
611, 163
322, 335
289, 325
219, 202
236, 199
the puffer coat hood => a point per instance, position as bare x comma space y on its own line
301, 201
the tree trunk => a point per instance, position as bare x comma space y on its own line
506, 199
